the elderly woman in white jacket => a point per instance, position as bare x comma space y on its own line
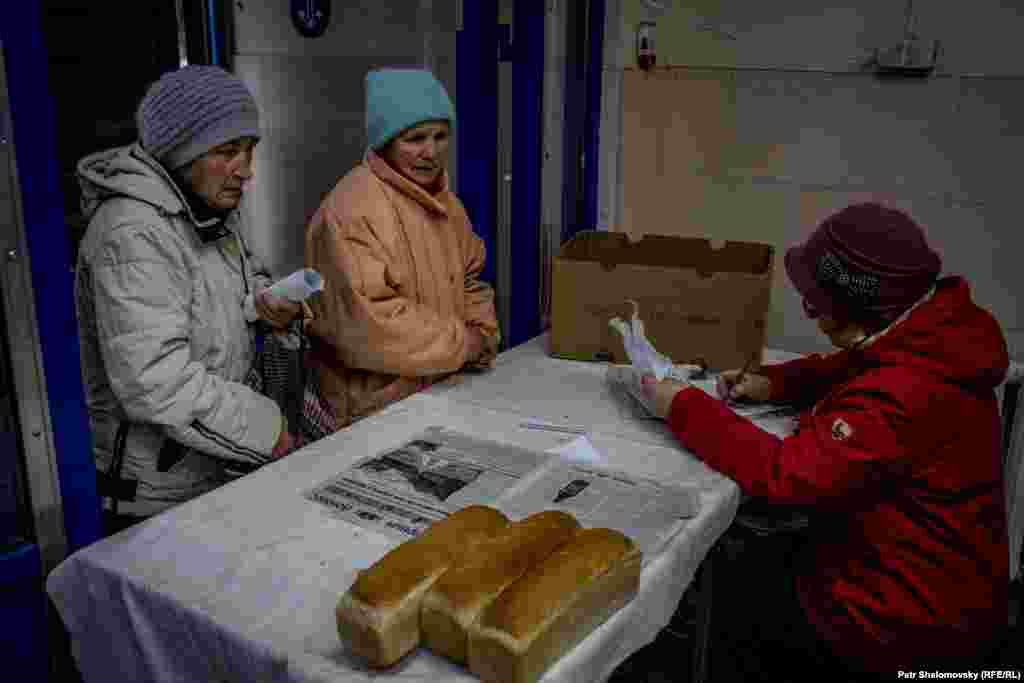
163, 271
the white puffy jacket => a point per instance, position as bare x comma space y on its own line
164, 342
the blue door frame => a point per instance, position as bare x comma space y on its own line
476, 105
478, 47
34, 137
592, 123
33, 133
527, 157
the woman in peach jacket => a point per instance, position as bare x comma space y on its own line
403, 305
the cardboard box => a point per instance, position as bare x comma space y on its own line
695, 300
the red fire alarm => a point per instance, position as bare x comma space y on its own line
645, 54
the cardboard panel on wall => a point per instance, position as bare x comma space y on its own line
643, 129
702, 120
681, 206
678, 129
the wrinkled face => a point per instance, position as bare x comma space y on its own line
220, 175
420, 153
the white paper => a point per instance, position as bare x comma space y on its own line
296, 288
648, 512
579, 450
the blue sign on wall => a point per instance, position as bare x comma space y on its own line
311, 17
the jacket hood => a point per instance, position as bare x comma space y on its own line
949, 336
131, 172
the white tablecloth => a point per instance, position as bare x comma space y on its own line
241, 584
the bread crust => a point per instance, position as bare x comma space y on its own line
554, 606
379, 616
454, 602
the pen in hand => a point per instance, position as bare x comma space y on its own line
744, 371
747, 367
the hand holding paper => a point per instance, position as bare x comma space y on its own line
292, 290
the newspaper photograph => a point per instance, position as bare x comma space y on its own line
403, 490
647, 511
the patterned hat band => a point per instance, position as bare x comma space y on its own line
857, 287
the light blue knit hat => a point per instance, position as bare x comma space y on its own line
397, 99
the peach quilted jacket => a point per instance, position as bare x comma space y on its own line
402, 269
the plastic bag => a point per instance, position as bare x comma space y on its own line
644, 358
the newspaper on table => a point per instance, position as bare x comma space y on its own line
647, 511
403, 490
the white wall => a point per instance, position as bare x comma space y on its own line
787, 129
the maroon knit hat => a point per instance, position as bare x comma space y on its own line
864, 260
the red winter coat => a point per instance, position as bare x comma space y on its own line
900, 455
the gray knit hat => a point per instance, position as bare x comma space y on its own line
190, 111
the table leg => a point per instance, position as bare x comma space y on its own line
702, 628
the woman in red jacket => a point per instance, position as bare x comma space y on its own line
905, 565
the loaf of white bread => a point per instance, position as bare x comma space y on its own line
554, 606
379, 616
506, 599
452, 605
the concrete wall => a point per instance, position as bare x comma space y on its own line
783, 127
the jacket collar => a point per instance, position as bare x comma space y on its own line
208, 228
431, 202
906, 314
